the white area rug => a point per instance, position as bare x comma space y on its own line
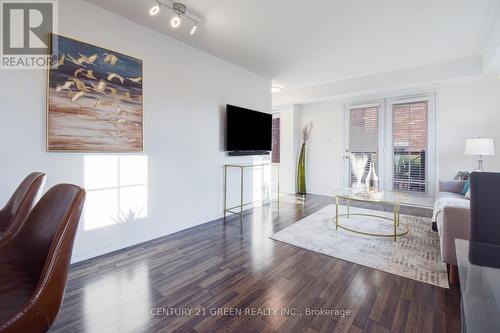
415, 256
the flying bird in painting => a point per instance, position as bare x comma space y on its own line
78, 61
59, 62
83, 59
119, 122
88, 60
111, 76
100, 87
135, 79
77, 96
90, 75
79, 84
110, 59
78, 72
66, 86
119, 111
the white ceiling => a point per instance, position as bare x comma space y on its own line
309, 42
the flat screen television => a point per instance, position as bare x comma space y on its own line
248, 132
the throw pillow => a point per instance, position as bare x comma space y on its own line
467, 195
466, 188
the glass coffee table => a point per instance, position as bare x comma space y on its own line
383, 197
479, 286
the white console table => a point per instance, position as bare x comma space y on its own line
238, 210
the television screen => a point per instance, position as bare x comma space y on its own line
248, 130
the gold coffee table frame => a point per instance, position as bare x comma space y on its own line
359, 198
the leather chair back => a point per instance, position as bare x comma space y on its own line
20, 204
42, 248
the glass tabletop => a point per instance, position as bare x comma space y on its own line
379, 196
480, 289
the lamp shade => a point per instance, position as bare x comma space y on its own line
480, 146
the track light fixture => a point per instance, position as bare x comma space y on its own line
179, 10
194, 28
155, 9
175, 22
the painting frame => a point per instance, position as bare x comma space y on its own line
48, 116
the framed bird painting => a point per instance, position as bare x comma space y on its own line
94, 99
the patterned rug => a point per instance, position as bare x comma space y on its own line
415, 255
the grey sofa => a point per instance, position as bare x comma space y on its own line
453, 221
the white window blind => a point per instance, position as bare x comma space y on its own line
363, 136
410, 148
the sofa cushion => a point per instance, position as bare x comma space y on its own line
466, 187
450, 195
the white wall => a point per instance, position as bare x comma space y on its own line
325, 148
289, 142
462, 111
466, 111
185, 91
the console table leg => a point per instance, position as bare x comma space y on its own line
225, 192
395, 221
337, 214
241, 197
278, 188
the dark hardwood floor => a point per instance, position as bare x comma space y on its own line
235, 267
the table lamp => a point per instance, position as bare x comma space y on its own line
481, 147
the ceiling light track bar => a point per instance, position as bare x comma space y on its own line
179, 9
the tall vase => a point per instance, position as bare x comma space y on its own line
358, 164
372, 179
301, 171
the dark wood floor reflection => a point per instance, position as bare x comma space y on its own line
233, 267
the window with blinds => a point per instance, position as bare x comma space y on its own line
409, 137
363, 136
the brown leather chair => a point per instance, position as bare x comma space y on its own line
34, 262
20, 204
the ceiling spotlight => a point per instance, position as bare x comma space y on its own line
180, 13
175, 22
194, 28
179, 9
154, 10
277, 88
